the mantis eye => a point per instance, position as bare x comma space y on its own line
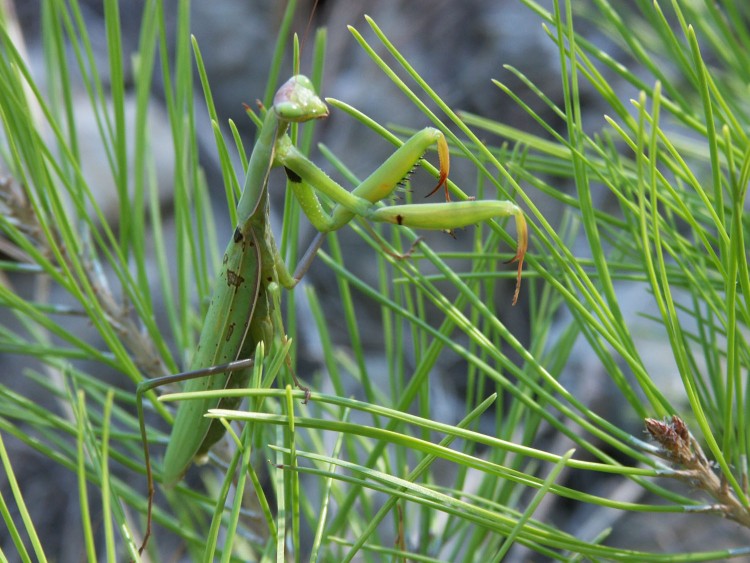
296, 100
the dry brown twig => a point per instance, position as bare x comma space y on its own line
678, 446
15, 207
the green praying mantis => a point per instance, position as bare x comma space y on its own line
240, 312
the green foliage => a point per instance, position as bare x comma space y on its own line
366, 478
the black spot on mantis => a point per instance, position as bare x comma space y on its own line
293, 176
235, 279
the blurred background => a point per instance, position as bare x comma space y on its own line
457, 47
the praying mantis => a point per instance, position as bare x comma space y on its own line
239, 315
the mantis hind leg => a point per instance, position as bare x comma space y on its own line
150, 384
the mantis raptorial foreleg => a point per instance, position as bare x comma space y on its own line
239, 315
381, 184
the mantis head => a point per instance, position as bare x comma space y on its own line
297, 101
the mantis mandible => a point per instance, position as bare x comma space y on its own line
239, 314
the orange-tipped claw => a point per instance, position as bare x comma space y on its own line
444, 157
522, 231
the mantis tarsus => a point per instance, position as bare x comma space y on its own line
239, 314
